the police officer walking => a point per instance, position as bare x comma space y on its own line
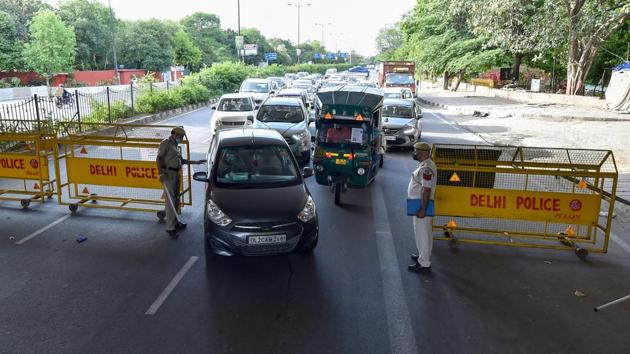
169, 162
422, 186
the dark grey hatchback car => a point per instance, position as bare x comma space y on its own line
256, 200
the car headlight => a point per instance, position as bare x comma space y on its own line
308, 213
409, 129
301, 137
216, 215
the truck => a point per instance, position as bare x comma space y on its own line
397, 74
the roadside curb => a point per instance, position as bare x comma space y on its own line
548, 117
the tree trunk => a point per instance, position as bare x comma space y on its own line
48, 86
445, 80
460, 76
516, 67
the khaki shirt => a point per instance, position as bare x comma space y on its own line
424, 176
169, 155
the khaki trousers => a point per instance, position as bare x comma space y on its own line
171, 184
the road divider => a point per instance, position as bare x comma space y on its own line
525, 197
113, 166
26, 147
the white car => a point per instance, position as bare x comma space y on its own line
259, 89
235, 110
397, 92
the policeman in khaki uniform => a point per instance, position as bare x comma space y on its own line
169, 162
422, 186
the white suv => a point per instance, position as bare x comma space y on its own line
259, 89
236, 110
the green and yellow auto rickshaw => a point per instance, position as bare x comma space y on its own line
349, 142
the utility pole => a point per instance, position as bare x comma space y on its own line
116, 73
299, 6
238, 51
323, 25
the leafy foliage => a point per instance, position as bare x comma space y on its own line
186, 53
52, 46
147, 44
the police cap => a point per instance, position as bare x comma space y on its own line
422, 146
178, 130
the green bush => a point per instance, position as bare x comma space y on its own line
271, 70
157, 101
100, 114
192, 92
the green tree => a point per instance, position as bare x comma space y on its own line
519, 27
92, 23
253, 36
589, 24
147, 44
437, 37
10, 44
52, 46
287, 54
388, 40
613, 53
206, 33
186, 53
22, 12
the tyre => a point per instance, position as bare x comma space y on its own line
161, 215
58, 103
25, 203
73, 208
338, 188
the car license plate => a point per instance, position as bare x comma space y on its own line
267, 239
390, 138
341, 161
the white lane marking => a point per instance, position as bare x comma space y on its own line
620, 242
171, 286
401, 334
43, 229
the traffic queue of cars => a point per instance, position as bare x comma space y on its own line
264, 139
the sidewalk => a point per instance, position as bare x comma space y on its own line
518, 124
465, 103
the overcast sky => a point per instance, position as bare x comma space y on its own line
358, 21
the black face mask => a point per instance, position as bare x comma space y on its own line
414, 157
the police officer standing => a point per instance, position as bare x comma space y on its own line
422, 186
169, 162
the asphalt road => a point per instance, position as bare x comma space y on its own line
131, 289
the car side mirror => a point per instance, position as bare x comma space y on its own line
214, 108
250, 119
308, 172
258, 107
272, 92
201, 177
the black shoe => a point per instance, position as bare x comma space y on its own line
414, 257
180, 226
417, 268
172, 233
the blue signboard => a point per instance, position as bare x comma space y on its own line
343, 55
317, 56
271, 56
330, 56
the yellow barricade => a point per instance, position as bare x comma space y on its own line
113, 166
482, 82
26, 152
525, 197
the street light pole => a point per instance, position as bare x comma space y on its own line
116, 73
299, 6
238, 8
322, 25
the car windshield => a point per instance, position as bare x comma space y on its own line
397, 111
236, 105
255, 167
399, 79
346, 133
258, 87
392, 95
280, 113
